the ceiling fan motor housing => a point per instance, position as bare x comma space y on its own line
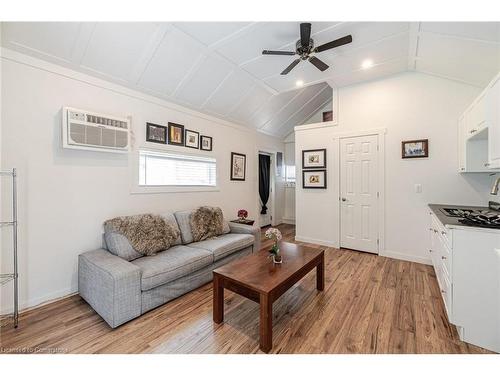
302, 51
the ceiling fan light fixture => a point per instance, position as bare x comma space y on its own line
367, 64
299, 83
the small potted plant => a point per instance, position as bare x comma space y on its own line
242, 215
275, 235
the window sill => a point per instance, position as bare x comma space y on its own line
172, 189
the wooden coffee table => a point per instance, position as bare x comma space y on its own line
256, 277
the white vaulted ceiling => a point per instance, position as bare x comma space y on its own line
217, 67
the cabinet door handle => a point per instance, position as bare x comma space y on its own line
473, 131
430, 251
443, 291
486, 164
443, 257
443, 233
435, 231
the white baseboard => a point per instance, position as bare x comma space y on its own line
39, 301
288, 220
316, 242
402, 256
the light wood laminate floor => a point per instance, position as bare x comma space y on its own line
370, 304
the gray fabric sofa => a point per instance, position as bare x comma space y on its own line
120, 290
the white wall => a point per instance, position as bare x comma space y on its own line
318, 115
409, 106
65, 195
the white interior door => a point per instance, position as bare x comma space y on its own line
359, 193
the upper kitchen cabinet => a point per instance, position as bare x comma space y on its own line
492, 101
479, 132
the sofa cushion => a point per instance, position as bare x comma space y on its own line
171, 264
119, 245
184, 222
224, 245
169, 216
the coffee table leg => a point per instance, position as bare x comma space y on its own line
218, 290
266, 323
320, 274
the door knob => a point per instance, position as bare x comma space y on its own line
343, 199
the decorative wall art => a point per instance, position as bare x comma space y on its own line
206, 143
156, 133
314, 158
175, 134
238, 166
314, 179
418, 148
192, 139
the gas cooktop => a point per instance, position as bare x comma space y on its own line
485, 218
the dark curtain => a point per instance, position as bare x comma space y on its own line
264, 177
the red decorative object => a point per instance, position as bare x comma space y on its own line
242, 214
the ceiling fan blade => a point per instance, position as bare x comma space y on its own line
290, 67
335, 43
318, 63
286, 53
305, 34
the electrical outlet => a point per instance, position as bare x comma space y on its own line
418, 188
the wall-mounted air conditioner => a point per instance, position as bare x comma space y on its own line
85, 130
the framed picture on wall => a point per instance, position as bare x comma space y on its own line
192, 139
314, 179
175, 134
238, 166
418, 148
156, 133
314, 158
327, 116
206, 143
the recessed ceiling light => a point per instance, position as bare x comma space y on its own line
367, 64
299, 83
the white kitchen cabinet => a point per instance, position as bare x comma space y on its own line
492, 102
476, 115
467, 268
479, 132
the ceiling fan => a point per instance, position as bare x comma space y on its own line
305, 47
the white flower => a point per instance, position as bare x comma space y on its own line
273, 234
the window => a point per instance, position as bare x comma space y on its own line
290, 175
169, 169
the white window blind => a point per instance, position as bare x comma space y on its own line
169, 169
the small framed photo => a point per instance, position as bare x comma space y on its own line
327, 116
418, 148
175, 134
314, 179
192, 139
206, 143
314, 158
156, 133
238, 166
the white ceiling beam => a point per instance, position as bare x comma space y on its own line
82, 41
413, 47
206, 50
148, 53
459, 37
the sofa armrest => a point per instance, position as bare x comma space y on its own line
111, 285
247, 229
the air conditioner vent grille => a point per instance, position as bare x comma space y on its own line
91, 131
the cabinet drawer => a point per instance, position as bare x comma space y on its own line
446, 292
443, 254
441, 230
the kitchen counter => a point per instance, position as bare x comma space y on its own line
452, 222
